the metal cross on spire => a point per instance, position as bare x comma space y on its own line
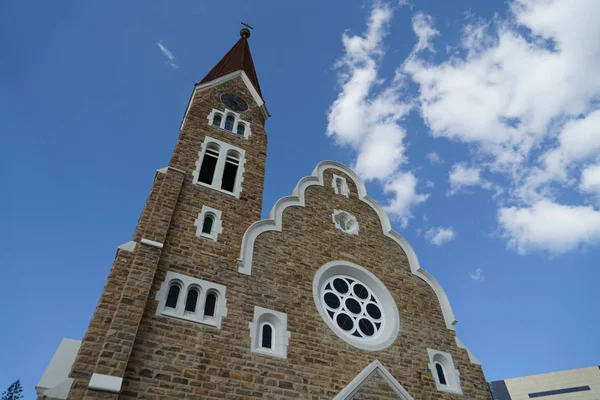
245, 32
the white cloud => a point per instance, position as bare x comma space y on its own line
477, 276
556, 228
434, 158
423, 27
579, 140
366, 116
461, 176
405, 196
440, 235
167, 53
507, 90
522, 93
590, 179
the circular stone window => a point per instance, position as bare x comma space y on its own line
345, 222
356, 305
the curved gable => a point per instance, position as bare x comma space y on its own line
275, 220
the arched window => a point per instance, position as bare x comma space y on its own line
440, 373
217, 120
210, 305
209, 163
232, 163
339, 184
207, 225
241, 129
192, 300
173, 296
266, 336
229, 121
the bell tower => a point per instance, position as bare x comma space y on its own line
174, 274
226, 114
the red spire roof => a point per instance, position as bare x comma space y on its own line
237, 58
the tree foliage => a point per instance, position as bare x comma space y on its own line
14, 391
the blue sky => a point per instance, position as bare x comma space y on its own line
475, 123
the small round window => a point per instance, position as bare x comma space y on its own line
352, 306
345, 222
356, 305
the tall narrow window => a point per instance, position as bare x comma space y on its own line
229, 121
230, 171
210, 305
217, 120
173, 296
266, 336
192, 300
209, 163
440, 373
241, 129
339, 184
207, 225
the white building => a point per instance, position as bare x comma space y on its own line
573, 384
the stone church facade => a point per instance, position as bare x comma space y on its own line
321, 300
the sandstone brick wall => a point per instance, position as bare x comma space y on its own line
167, 358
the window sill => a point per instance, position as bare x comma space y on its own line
208, 237
237, 196
189, 318
268, 352
231, 132
448, 389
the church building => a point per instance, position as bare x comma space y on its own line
321, 300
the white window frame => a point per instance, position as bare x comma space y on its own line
280, 335
217, 226
224, 148
236, 122
338, 214
451, 374
204, 288
345, 191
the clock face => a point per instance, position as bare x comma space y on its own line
234, 102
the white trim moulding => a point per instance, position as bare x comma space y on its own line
105, 383
152, 243
359, 381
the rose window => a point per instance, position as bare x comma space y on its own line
352, 307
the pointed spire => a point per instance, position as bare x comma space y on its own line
238, 58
